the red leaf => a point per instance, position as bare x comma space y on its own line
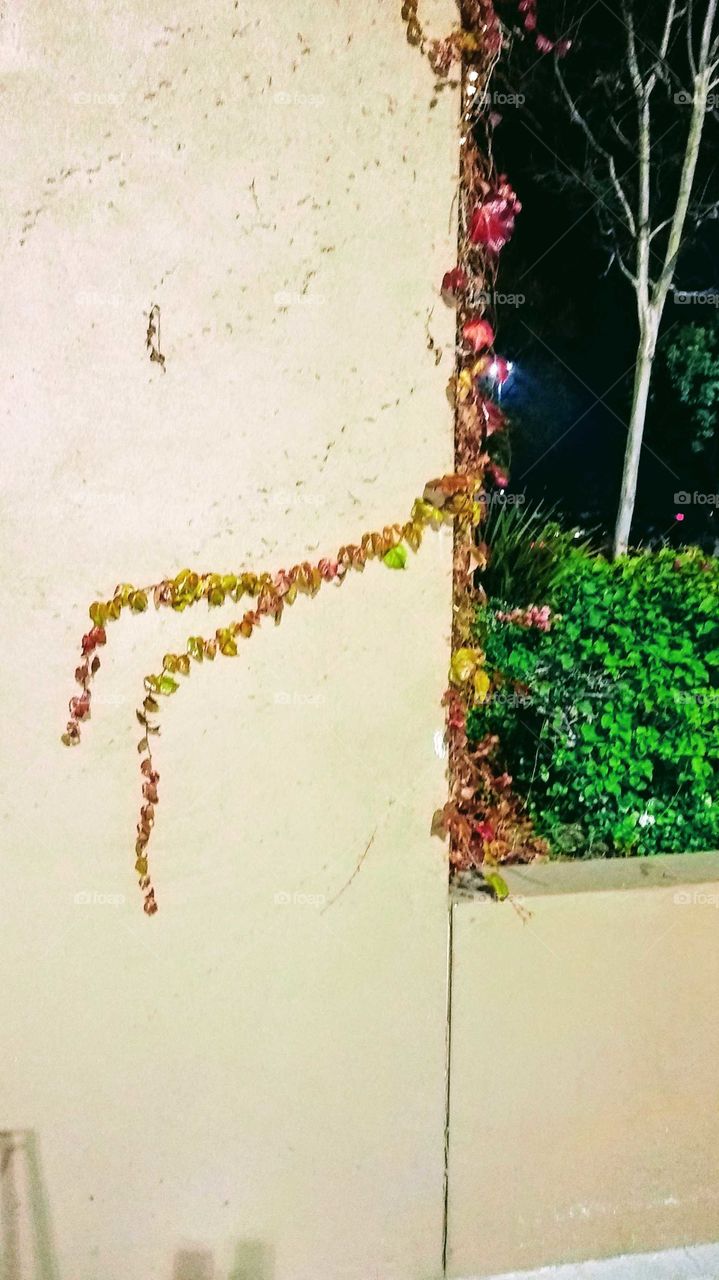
80, 706
492, 222
498, 474
454, 282
478, 333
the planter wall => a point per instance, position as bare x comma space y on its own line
585, 1092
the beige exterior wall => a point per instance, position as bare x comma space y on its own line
585, 1043
257, 1074
241, 1068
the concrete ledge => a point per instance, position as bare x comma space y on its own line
596, 875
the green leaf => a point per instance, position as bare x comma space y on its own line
167, 685
396, 557
195, 647
499, 887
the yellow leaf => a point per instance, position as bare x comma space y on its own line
464, 384
463, 665
481, 685
98, 613
138, 601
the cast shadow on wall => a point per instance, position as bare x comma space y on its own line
253, 1260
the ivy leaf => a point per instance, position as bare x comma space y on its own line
195, 648
481, 685
463, 665
497, 884
98, 613
396, 557
167, 685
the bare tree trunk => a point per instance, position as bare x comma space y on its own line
640, 396
651, 303
652, 295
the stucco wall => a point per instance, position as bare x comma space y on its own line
585, 1042
241, 1067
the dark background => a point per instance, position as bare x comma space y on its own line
573, 339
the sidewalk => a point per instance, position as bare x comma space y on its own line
698, 1262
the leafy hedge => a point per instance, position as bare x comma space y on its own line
609, 721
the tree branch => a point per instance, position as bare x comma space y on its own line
691, 156
664, 45
579, 119
690, 38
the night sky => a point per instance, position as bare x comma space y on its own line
573, 337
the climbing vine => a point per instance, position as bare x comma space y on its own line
451, 497
482, 818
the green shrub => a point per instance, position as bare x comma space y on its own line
609, 722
